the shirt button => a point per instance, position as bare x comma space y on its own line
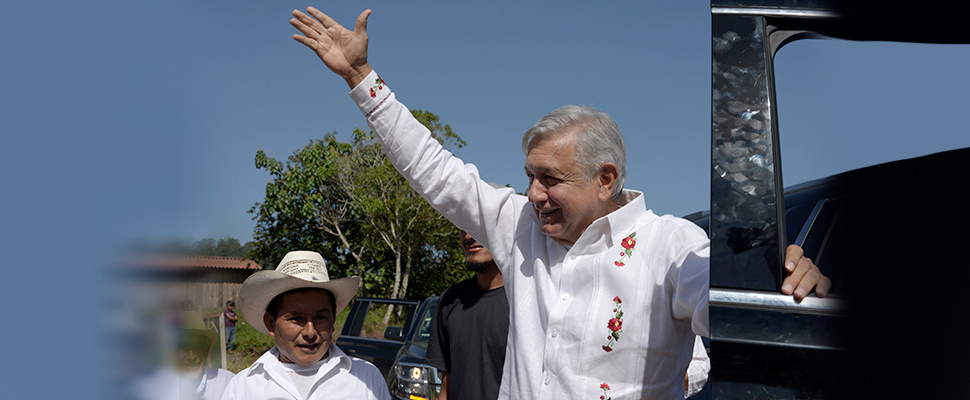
547, 381
572, 257
555, 334
565, 297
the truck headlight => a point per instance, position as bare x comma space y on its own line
414, 381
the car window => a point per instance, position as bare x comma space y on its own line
846, 104
422, 333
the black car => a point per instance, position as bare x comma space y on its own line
410, 378
357, 340
889, 236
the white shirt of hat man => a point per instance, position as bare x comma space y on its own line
303, 327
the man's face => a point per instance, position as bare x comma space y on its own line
303, 328
230, 307
192, 353
565, 201
477, 257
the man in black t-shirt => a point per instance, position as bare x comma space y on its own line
470, 329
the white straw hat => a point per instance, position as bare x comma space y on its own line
192, 322
299, 269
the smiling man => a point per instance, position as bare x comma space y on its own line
296, 305
195, 342
605, 296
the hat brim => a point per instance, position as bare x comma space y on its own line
260, 288
210, 333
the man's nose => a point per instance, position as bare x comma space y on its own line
537, 192
309, 330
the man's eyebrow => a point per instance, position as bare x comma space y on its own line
533, 168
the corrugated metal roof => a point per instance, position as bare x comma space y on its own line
184, 261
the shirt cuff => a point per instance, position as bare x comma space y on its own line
370, 93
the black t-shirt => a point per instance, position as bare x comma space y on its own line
468, 338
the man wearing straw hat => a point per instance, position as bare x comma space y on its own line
296, 305
195, 341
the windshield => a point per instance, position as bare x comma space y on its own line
422, 333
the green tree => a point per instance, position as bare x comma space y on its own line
225, 247
346, 201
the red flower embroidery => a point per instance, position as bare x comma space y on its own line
606, 391
615, 325
627, 243
378, 85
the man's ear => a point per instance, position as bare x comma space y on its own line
270, 323
607, 176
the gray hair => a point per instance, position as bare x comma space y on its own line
598, 141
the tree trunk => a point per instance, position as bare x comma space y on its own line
397, 284
404, 280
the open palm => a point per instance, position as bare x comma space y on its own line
342, 50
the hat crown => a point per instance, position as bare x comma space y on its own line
192, 320
298, 269
305, 265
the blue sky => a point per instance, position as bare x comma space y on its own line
160, 107
210, 83
140, 120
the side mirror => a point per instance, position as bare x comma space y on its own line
394, 333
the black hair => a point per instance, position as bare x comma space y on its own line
273, 308
230, 303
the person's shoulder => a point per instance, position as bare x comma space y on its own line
370, 376
256, 366
671, 223
454, 292
363, 368
244, 373
236, 386
244, 381
220, 374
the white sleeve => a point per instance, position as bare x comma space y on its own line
452, 187
690, 273
699, 368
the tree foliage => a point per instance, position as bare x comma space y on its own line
225, 247
346, 201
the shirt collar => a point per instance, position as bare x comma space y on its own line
343, 360
609, 230
271, 359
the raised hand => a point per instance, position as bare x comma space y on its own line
342, 50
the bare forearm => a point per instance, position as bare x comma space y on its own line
444, 386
